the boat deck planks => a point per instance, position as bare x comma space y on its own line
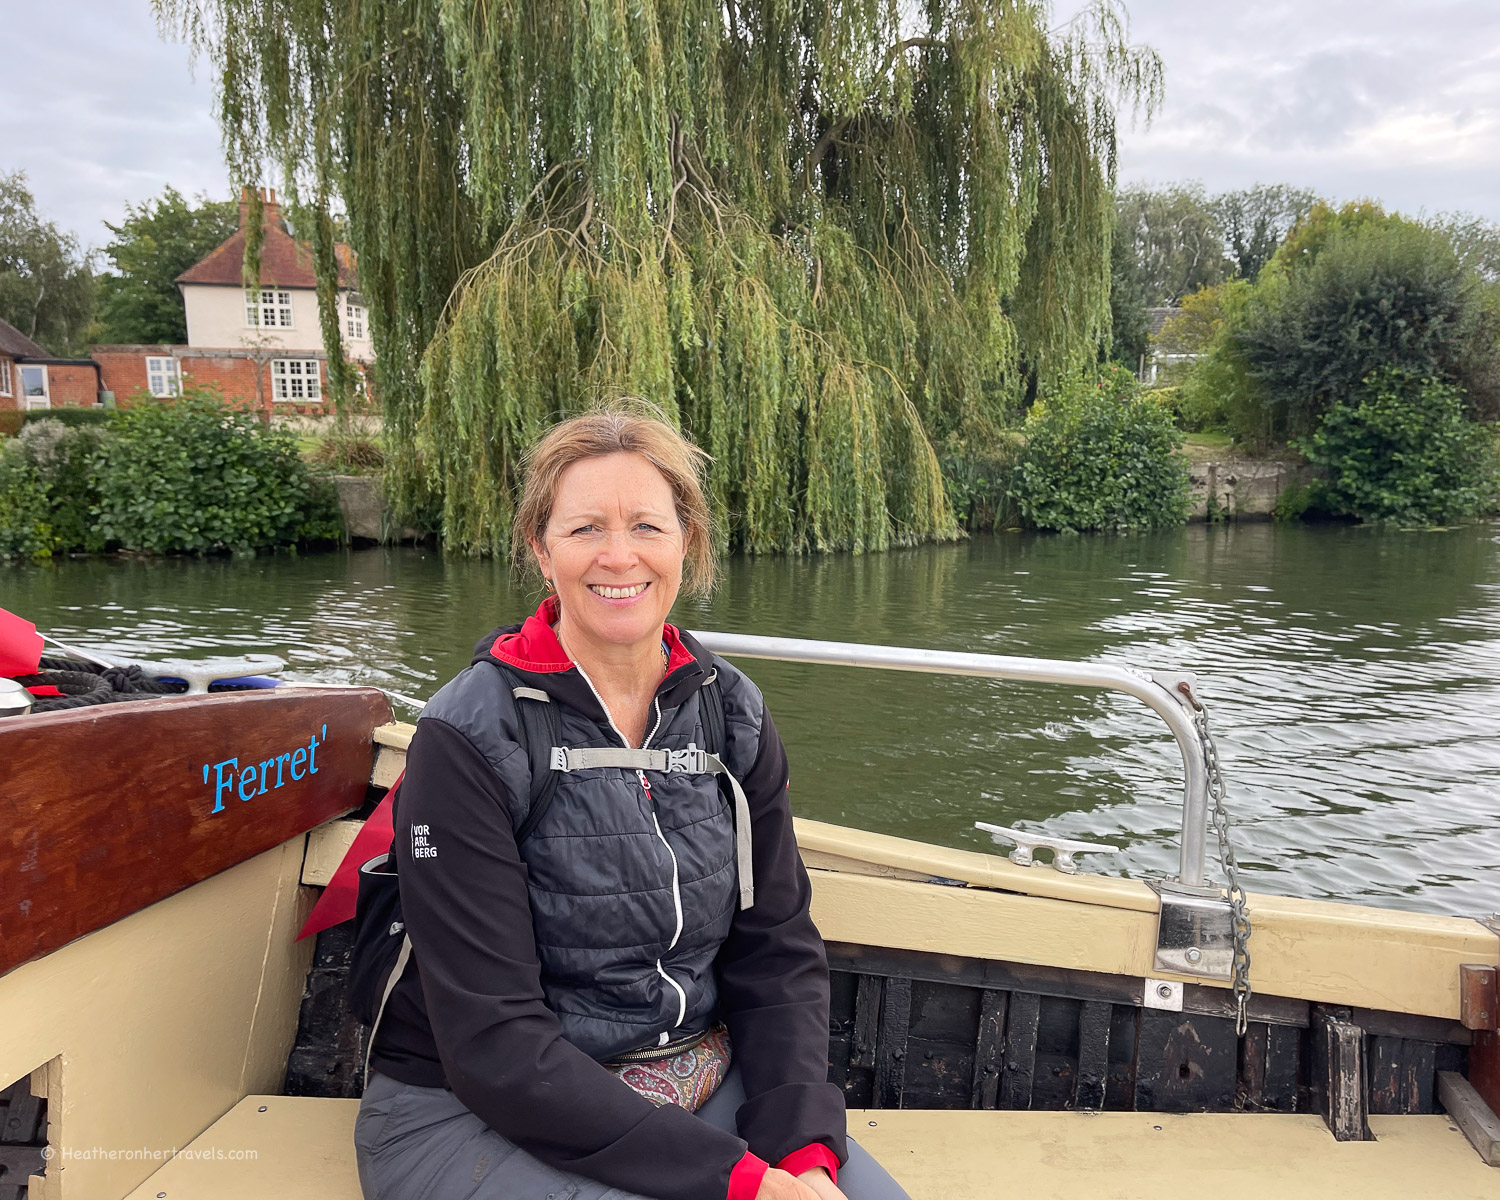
95, 837
1146, 1156
303, 1150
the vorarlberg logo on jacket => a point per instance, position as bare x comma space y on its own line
421, 842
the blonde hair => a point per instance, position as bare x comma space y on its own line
628, 427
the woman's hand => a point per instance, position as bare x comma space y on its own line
817, 1181
778, 1185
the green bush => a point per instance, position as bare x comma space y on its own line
1099, 455
25, 530
194, 475
71, 416
64, 458
978, 484
12, 420
345, 452
1373, 297
1298, 501
1402, 450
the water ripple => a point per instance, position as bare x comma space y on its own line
1353, 679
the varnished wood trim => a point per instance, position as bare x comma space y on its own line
109, 809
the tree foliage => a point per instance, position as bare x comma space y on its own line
157, 241
46, 281
1099, 455
1175, 238
1476, 241
825, 237
1130, 323
1181, 240
1256, 220
1214, 388
25, 528
1373, 295
63, 457
1401, 449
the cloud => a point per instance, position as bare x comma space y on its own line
1398, 100
1393, 99
100, 112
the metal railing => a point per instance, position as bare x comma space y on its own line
1157, 692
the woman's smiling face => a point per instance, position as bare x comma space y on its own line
614, 551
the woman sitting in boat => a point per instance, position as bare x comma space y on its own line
632, 1001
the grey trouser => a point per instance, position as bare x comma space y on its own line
414, 1143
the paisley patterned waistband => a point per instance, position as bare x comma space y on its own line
687, 1078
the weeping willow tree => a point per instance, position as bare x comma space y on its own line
824, 236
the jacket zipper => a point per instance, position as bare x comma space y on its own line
656, 824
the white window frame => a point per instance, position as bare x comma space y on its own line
356, 320
272, 309
296, 381
169, 372
36, 402
5, 382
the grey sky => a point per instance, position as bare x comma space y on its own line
1398, 100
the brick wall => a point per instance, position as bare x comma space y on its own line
69, 385
233, 372
122, 369
72, 385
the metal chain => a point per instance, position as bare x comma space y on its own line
1219, 818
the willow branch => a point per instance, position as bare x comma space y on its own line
838, 127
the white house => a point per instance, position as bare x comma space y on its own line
223, 313
263, 348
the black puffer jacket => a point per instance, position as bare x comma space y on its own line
605, 933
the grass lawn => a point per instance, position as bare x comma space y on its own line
1208, 447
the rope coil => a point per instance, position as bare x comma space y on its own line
83, 684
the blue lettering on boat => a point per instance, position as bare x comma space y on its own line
269, 774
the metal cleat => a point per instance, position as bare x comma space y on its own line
1027, 844
199, 673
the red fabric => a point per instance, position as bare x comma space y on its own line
745, 1178
805, 1159
534, 647
20, 646
336, 904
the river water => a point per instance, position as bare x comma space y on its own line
1352, 675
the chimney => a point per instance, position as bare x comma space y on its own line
270, 208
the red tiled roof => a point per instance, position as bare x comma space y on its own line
15, 344
284, 262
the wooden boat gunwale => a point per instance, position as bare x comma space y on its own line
962, 981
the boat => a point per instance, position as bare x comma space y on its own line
999, 1024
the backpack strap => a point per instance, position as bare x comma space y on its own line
540, 729
690, 761
712, 710
397, 969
